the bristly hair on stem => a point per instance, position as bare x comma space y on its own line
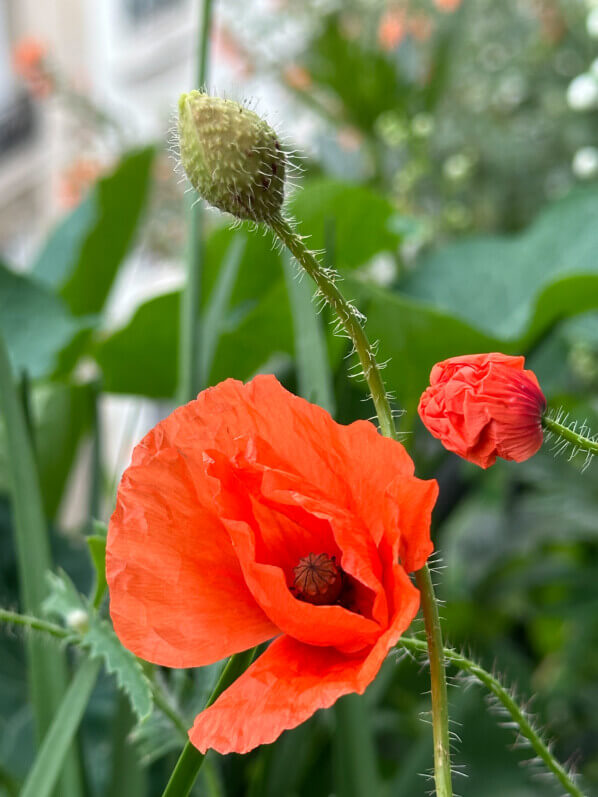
569, 435
504, 701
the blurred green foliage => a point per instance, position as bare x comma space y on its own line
461, 232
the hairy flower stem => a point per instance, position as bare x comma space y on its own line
518, 715
191, 760
564, 432
348, 317
440, 718
188, 379
371, 370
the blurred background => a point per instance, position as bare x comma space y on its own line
450, 168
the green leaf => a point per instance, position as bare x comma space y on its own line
102, 642
46, 768
63, 597
61, 417
259, 268
364, 221
263, 338
413, 336
142, 357
82, 256
355, 755
514, 288
47, 670
364, 79
313, 370
34, 343
97, 550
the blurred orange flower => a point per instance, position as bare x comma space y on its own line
76, 179
29, 60
297, 77
420, 27
447, 5
229, 47
391, 29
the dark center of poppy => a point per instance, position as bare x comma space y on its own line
318, 579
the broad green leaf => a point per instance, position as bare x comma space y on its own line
413, 336
46, 768
61, 416
365, 222
47, 669
36, 324
141, 357
258, 270
263, 337
82, 256
101, 642
513, 288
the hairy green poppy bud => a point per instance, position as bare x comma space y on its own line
231, 156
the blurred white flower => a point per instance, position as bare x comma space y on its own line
78, 619
423, 125
594, 69
457, 167
585, 163
592, 23
582, 93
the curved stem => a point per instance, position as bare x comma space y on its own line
581, 441
191, 760
516, 712
351, 321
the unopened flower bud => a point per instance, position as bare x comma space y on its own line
483, 406
231, 156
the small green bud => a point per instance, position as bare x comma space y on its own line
231, 156
78, 620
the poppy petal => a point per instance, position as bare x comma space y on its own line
177, 593
289, 682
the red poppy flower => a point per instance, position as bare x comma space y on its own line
247, 515
483, 406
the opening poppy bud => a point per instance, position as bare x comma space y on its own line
231, 156
483, 406
318, 579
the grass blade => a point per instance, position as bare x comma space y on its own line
216, 310
313, 372
44, 773
47, 671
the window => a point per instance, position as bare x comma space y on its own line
141, 10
